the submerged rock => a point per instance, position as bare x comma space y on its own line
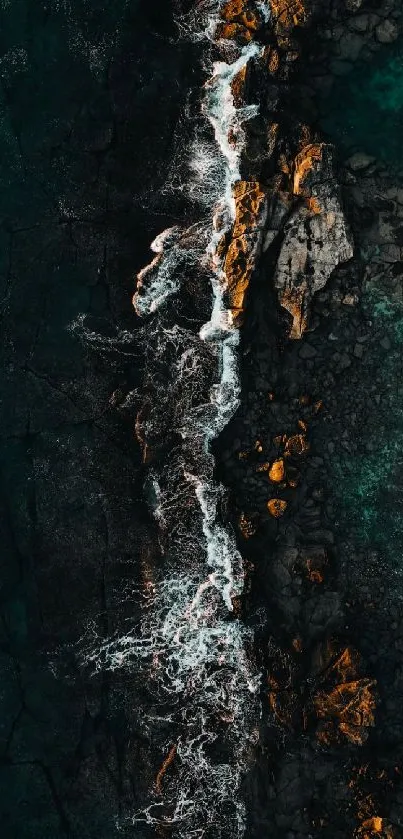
387, 32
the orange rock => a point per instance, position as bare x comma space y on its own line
296, 446
165, 765
250, 204
375, 826
277, 471
238, 86
276, 507
233, 32
313, 206
288, 14
246, 526
250, 201
238, 267
345, 705
241, 12
272, 59
304, 163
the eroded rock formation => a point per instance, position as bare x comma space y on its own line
315, 238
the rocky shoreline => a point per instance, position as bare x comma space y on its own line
311, 459
324, 601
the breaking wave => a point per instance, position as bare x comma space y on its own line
191, 648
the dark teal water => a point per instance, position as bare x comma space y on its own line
86, 126
365, 113
369, 484
365, 109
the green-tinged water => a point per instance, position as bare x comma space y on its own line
365, 109
369, 482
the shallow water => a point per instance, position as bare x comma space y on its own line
365, 108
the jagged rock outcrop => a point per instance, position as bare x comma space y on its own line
246, 237
240, 20
316, 237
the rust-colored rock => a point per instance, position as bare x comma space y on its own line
296, 446
246, 526
288, 14
313, 562
165, 765
233, 32
345, 704
277, 471
238, 86
276, 507
347, 711
242, 12
375, 827
263, 467
271, 59
250, 205
250, 213
306, 161
238, 267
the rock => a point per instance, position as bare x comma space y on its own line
360, 23
250, 216
276, 507
353, 5
345, 361
276, 471
316, 237
387, 32
350, 299
307, 351
385, 343
358, 350
350, 46
359, 161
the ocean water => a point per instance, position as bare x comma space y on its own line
365, 113
369, 484
87, 125
365, 110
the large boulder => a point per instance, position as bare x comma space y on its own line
316, 236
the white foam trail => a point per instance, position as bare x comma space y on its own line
190, 648
224, 117
159, 279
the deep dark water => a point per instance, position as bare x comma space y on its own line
365, 108
90, 97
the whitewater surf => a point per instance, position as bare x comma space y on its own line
192, 649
